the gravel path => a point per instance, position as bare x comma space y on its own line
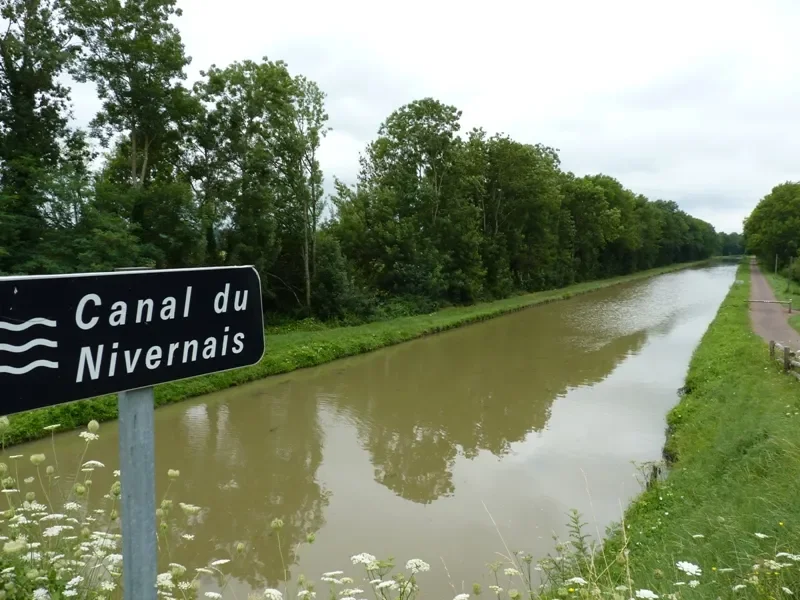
769, 320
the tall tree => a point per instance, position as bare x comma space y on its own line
34, 51
134, 55
310, 120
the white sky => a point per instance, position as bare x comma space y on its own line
690, 100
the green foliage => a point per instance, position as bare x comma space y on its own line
773, 228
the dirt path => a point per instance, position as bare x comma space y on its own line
769, 320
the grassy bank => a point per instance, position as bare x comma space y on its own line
785, 289
298, 349
730, 499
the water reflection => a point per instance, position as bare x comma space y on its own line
520, 412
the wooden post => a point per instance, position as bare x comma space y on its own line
787, 358
772, 349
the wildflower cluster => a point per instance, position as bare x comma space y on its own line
56, 545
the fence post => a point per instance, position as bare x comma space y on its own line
772, 349
787, 358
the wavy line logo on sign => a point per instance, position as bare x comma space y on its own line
19, 330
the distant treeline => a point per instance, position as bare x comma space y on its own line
226, 172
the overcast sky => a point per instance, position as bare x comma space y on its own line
690, 100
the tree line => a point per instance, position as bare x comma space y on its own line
226, 171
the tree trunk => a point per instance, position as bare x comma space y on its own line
144, 160
306, 270
133, 157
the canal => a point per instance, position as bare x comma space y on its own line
413, 451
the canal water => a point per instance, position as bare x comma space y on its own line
448, 448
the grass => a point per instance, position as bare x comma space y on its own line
785, 289
307, 347
734, 471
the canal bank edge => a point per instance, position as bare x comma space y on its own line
297, 350
729, 501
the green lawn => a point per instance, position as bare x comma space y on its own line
730, 500
306, 345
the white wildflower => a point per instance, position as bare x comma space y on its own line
794, 557
16, 456
116, 472
51, 427
738, 586
204, 570
74, 581
416, 565
70, 593
348, 598
306, 594
11, 491
29, 480
214, 595
787, 591
219, 562
332, 580
93, 464
363, 559
694, 583
391, 584
511, 572
188, 536
698, 536
351, 592
164, 580
646, 594
88, 436
725, 570
54, 531
761, 536
333, 573
497, 589
578, 580
53, 517
72, 506
41, 594
272, 594
461, 597
689, 568
621, 588
108, 586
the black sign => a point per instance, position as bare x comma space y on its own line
66, 337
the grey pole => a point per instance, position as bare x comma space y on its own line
137, 466
138, 478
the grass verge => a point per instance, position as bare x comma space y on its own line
298, 349
730, 499
785, 289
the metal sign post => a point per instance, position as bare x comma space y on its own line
137, 458
137, 466
68, 337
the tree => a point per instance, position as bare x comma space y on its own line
310, 119
250, 174
34, 107
773, 228
134, 55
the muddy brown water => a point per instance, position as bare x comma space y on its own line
407, 451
